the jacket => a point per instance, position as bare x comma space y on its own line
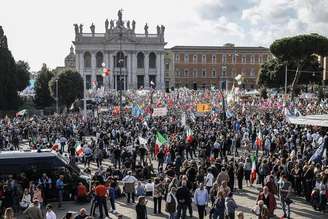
141, 211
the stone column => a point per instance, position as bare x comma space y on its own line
134, 69
129, 70
111, 66
146, 69
106, 79
93, 66
77, 61
158, 70
162, 69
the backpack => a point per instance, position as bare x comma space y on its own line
171, 206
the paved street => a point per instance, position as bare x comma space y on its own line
245, 200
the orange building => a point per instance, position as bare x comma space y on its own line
199, 67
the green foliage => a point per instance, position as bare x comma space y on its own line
299, 48
42, 93
272, 73
264, 93
70, 87
22, 75
9, 99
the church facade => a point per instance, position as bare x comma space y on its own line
135, 60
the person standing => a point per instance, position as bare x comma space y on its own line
182, 196
141, 209
269, 200
284, 193
129, 186
60, 189
201, 200
209, 180
230, 206
33, 211
157, 195
171, 203
50, 213
112, 197
46, 184
101, 195
219, 206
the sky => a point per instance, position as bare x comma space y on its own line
41, 31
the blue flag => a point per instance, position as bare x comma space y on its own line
136, 111
317, 156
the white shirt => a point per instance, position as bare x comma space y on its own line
129, 179
50, 215
209, 180
149, 187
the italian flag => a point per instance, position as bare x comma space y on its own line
189, 135
253, 171
79, 150
160, 140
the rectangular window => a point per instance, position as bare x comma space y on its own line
224, 71
260, 59
195, 73
252, 72
243, 59
177, 58
252, 59
194, 59
186, 59
152, 81
88, 81
204, 59
167, 66
140, 81
224, 58
185, 73
213, 59
204, 73
100, 81
213, 73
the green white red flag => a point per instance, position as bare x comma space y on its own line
160, 140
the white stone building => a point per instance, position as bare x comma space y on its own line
136, 59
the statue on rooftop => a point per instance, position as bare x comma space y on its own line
146, 29
111, 24
93, 28
76, 29
162, 29
81, 28
128, 25
158, 30
106, 25
133, 26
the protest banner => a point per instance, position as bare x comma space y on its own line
160, 111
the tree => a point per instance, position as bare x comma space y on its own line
299, 49
22, 75
272, 73
42, 92
9, 99
70, 87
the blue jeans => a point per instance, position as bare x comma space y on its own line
173, 215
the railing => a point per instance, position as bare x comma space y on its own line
93, 35
149, 35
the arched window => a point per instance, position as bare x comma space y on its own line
87, 60
140, 60
119, 59
99, 59
152, 60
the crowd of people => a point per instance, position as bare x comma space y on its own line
202, 158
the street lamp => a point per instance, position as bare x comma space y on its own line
57, 107
120, 62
